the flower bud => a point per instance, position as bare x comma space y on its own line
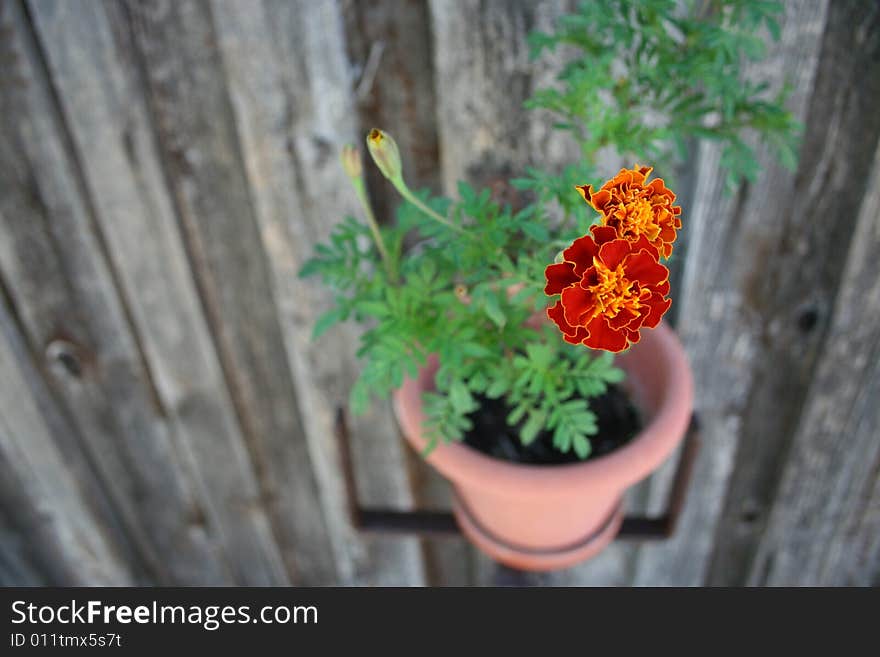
351, 162
385, 154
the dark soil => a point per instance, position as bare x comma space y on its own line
619, 421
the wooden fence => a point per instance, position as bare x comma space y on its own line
166, 169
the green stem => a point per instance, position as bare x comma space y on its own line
361, 192
416, 201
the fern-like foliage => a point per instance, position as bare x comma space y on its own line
643, 78
648, 75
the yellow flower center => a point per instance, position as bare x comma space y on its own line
638, 218
613, 291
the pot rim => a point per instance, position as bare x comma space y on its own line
622, 467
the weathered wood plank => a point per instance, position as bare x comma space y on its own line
389, 46
55, 270
320, 119
74, 453
798, 282
17, 567
237, 155
100, 88
48, 527
483, 75
824, 529
732, 321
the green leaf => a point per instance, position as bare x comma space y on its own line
460, 398
494, 311
312, 267
541, 355
537, 232
478, 382
562, 438
466, 192
532, 427
327, 320
614, 375
373, 308
475, 350
517, 414
497, 388
581, 445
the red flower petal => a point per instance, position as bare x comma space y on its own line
602, 234
559, 276
633, 336
639, 175
602, 336
667, 233
642, 244
581, 253
624, 177
572, 334
658, 306
577, 302
658, 187
624, 318
612, 253
578, 338
600, 199
644, 268
586, 191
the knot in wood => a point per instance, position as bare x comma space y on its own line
67, 356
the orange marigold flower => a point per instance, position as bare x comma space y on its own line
636, 208
609, 289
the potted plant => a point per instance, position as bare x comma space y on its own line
495, 327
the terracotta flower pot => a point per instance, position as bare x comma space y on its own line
536, 517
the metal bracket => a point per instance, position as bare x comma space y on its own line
442, 523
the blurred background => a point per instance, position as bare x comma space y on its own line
168, 166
